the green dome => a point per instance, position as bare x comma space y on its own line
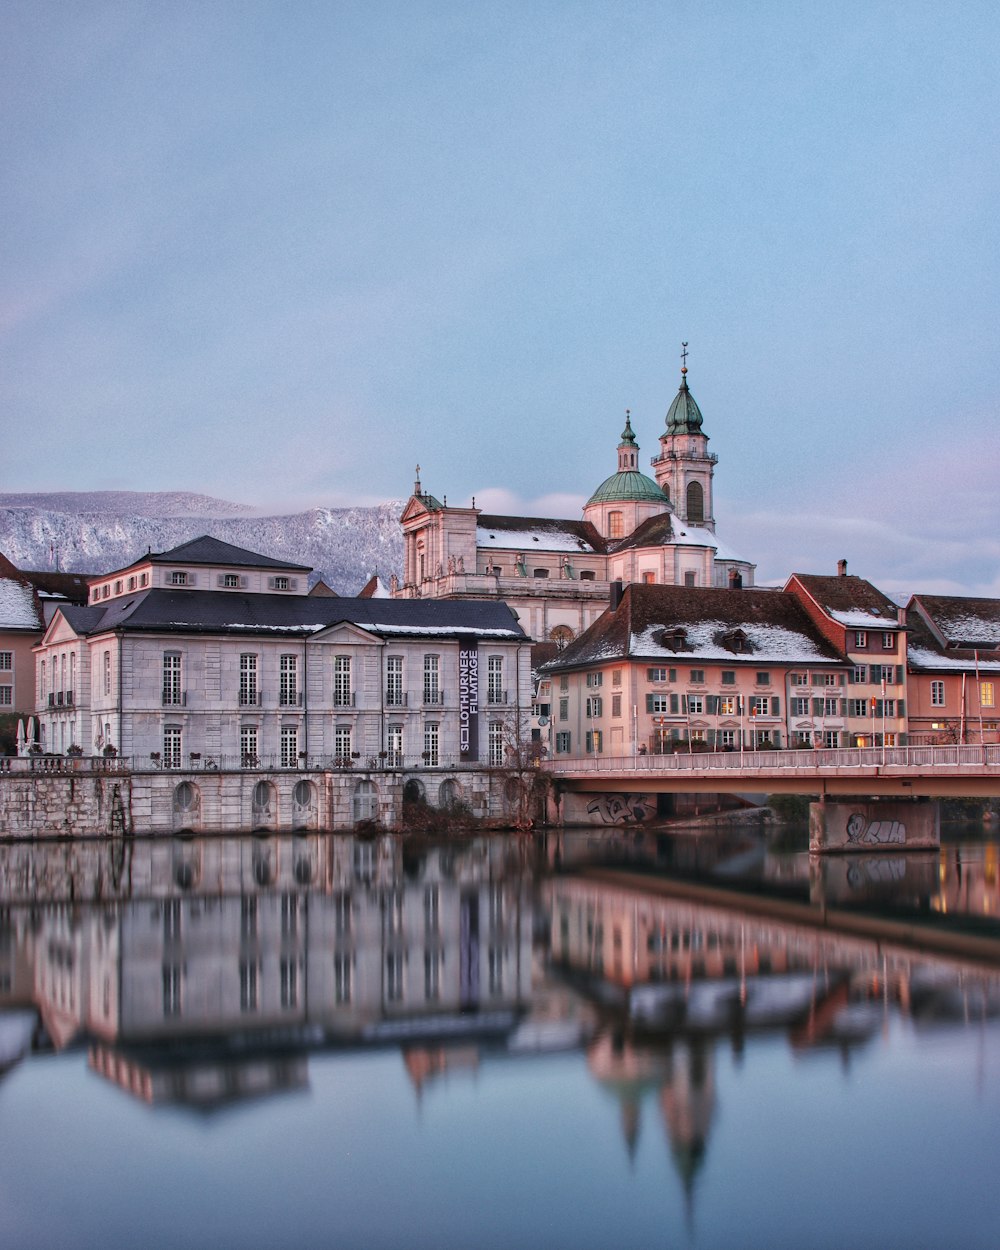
684, 416
628, 486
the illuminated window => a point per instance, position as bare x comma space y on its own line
616, 526
986, 695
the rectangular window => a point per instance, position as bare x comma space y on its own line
616, 705
857, 707
394, 745
343, 696
177, 578
595, 741
562, 743
763, 679
432, 975
656, 674
288, 688
248, 985
432, 679
171, 746
6, 696
696, 704
171, 989
727, 738
729, 677
889, 707
616, 677
888, 642
496, 743
248, 746
342, 744
289, 983
830, 707
860, 675
937, 694
860, 639
800, 707
394, 976
697, 676
432, 741
248, 681
6, 661
595, 679
107, 673
830, 738
798, 679
760, 706
803, 738
564, 709
342, 977
172, 695
595, 706
289, 746
394, 681
248, 917
728, 705
494, 679
659, 704
986, 694
824, 679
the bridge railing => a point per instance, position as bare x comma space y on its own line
826, 760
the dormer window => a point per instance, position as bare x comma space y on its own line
178, 578
674, 639
737, 642
105, 591
231, 581
281, 583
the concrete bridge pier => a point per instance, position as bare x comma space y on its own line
874, 825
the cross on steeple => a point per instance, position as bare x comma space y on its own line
684, 357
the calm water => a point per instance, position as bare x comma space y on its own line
327, 1041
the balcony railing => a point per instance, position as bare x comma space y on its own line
433, 698
343, 698
175, 698
396, 698
251, 698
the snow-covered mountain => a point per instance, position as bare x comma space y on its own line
95, 532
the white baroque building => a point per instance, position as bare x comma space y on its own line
212, 654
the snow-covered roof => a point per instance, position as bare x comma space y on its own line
858, 618
768, 644
538, 534
17, 605
926, 658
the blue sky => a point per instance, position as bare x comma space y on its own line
282, 252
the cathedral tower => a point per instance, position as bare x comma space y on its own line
685, 466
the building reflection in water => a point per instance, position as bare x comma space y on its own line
202, 972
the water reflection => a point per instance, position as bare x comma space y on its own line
209, 974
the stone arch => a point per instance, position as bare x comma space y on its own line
561, 635
695, 502
449, 794
304, 806
365, 801
264, 805
185, 805
414, 792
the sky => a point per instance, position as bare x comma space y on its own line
281, 253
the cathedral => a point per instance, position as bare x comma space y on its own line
557, 574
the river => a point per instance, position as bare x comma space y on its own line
637, 1039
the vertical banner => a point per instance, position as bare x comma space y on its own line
468, 701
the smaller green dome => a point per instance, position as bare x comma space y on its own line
628, 486
684, 416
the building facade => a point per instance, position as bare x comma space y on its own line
215, 655
556, 574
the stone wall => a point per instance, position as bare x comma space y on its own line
874, 825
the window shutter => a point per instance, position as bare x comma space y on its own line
672, 674
673, 704
902, 740
712, 704
684, 704
649, 702
649, 677
777, 737
270, 583
776, 705
900, 675
845, 738
817, 707
244, 582
843, 707
220, 580
192, 579
842, 679
900, 707
711, 736
293, 583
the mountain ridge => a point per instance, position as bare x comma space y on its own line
85, 532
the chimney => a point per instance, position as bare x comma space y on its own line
616, 595
841, 568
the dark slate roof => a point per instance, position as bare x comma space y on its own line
712, 626
973, 624
70, 586
208, 550
210, 612
847, 594
654, 532
926, 652
583, 534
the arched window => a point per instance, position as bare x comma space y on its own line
695, 502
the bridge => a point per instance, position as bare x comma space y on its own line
883, 772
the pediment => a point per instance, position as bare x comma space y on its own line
59, 630
345, 633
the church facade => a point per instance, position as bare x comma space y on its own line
557, 574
